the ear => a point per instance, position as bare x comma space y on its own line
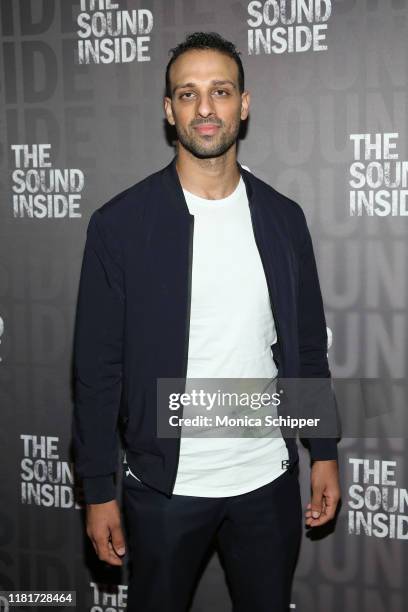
245, 103
168, 109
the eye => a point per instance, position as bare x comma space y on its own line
187, 93
223, 92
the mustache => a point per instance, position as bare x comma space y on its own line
206, 122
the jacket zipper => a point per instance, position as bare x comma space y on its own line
273, 308
187, 333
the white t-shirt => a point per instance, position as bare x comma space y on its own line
231, 333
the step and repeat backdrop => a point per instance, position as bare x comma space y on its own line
81, 86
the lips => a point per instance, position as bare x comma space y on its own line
207, 129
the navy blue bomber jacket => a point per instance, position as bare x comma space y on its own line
132, 321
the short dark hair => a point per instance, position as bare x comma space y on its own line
206, 40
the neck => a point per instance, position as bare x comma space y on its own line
213, 178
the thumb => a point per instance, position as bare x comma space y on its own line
317, 502
118, 540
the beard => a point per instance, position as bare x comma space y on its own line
205, 147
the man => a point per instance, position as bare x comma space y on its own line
198, 271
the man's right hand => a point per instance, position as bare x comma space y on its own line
103, 526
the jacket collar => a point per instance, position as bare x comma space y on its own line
175, 191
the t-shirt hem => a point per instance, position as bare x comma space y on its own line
230, 493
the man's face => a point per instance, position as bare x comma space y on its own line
206, 106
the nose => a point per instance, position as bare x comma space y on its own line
205, 106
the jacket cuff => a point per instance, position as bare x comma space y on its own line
323, 449
99, 489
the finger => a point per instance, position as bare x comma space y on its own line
110, 557
118, 540
114, 559
327, 514
105, 552
320, 521
331, 506
312, 520
308, 508
317, 503
94, 544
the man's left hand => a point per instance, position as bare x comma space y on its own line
325, 493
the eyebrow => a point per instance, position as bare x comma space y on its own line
214, 83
